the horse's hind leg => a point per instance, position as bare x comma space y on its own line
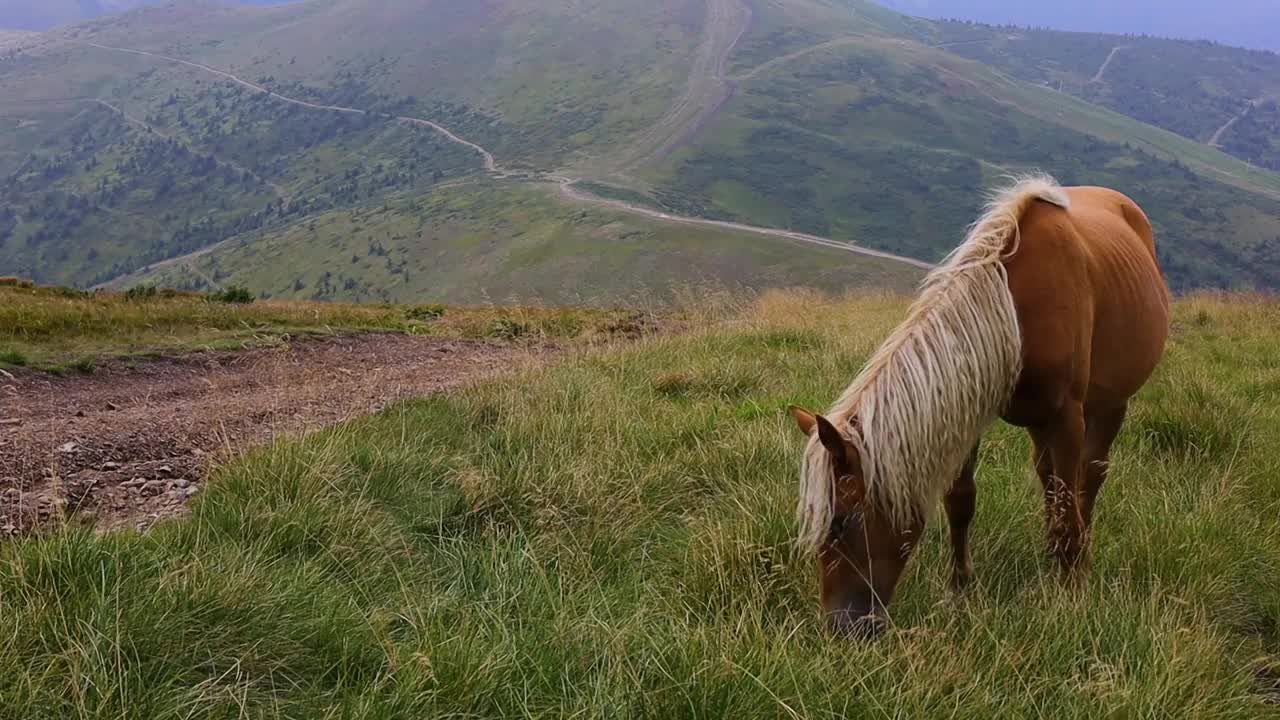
960, 501
1044, 470
1064, 441
1100, 433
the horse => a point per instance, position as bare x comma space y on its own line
1050, 315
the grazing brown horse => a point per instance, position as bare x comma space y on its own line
1051, 315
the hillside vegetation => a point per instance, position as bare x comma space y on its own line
507, 243
613, 538
203, 143
59, 328
883, 140
1202, 91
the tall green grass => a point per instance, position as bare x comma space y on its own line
612, 538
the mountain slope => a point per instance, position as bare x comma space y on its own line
861, 135
514, 243
1248, 23
1199, 90
833, 118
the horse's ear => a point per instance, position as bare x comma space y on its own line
805, 419
831, 438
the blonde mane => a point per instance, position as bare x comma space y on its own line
938, 381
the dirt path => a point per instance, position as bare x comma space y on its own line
122, 281
569, 190
239, 81
782, 59
126, 447
1097, 77
490, 163
707, 90
1216, 139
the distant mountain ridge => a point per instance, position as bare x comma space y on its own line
1245, 23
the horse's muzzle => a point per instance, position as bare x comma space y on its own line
856, 625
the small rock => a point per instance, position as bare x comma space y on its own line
191, 491
112, 406
67, 448
165, 470
110, 465
182, 482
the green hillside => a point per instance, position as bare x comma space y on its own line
882, 139
838, 119
1203, 91
614, 538
512, 243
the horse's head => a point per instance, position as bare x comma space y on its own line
862, 552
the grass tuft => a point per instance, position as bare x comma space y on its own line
13, 358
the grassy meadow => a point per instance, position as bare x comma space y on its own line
612, 537
56, 328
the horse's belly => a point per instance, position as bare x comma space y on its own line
1130, 332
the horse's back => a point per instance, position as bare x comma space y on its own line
1087, 284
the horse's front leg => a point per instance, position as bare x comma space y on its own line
960, 502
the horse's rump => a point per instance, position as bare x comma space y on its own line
1088, 287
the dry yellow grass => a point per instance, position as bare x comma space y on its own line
50, 326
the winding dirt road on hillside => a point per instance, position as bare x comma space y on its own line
1216, 139
732, 24
130, 446
849, 39
570, 191
706, 91
1097, 77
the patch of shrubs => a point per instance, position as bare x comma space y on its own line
139, 293
425, 313
232, 295
509, 329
